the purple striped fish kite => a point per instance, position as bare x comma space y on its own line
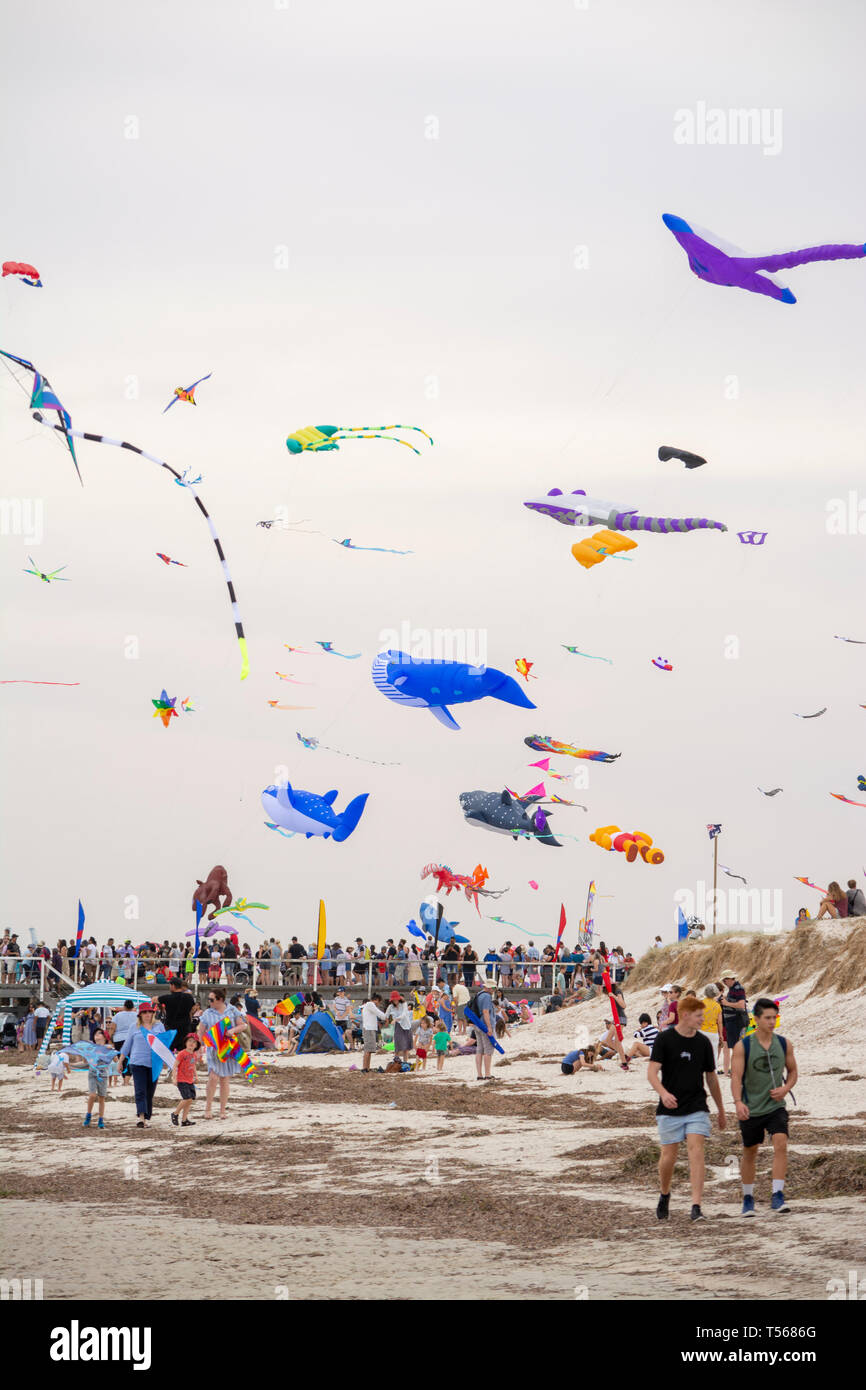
576, 509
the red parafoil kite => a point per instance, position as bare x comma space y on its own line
28, 274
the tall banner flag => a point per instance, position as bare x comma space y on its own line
198, 912
586, 934
561, 930
320, 939
80, 932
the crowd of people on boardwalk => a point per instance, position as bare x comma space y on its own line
400, 963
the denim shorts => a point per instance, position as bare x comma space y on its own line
674, 1128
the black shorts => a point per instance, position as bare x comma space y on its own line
186, 1089
734, 1025
753, 1130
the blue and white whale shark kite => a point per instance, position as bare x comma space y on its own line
306, 813
434, 685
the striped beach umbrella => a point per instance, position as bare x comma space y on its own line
103, 993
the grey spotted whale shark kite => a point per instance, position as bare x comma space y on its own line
507, 814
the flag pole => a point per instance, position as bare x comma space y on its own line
715, 876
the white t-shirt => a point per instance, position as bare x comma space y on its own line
461, 995
370, 1016
124, 1023
42, 1012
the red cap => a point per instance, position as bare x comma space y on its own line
147, 1008
395, 997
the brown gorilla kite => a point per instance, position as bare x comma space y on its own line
208, 894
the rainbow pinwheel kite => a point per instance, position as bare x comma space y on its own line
187, 393
710, 259
545, 744
319, 438
164, 709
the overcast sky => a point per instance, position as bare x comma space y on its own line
447, 215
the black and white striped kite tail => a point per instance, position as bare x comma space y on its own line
134, 449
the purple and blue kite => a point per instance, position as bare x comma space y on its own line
719, 263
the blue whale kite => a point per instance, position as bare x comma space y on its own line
306, 813
719, 263
434, 685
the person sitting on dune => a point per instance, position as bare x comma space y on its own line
835, 904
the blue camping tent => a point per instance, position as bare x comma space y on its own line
321, 1034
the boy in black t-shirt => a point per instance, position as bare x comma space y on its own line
680, 1060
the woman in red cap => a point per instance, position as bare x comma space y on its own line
399, 1010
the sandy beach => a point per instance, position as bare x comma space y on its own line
326, 1183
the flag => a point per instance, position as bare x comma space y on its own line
606, 986
561, 930
320, 938
713, 831
586, 934
80, 930
682, 926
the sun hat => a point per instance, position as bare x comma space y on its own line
727, 974
666, 989
395, 998
147, 1008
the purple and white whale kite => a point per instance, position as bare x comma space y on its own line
719, 263
576, 509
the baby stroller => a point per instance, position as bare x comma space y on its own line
8, 1031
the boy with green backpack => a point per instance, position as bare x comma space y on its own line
763, 1071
